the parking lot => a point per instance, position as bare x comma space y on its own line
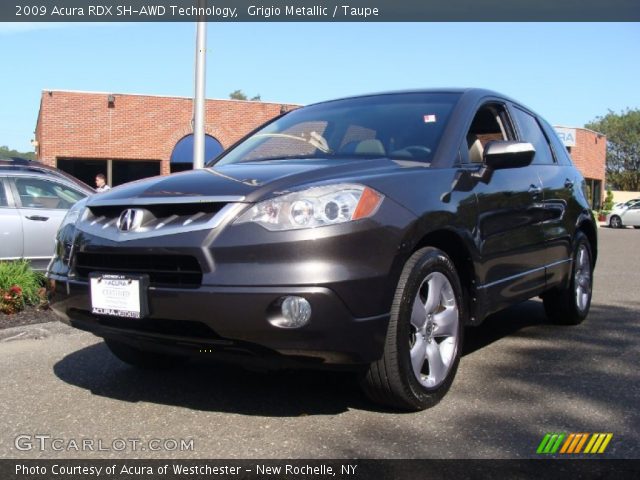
520, 377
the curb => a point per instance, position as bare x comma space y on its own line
35, 332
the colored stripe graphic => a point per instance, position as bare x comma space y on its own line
574, 442
598, 443
550, 443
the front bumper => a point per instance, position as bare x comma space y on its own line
347, 272
209, 320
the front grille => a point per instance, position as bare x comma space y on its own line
180, 271
153, 220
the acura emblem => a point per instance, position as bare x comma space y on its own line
130, 219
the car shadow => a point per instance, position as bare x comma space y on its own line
503, 324
224, 387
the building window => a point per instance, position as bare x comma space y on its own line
117, 172
182, 155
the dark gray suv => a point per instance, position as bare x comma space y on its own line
364, 232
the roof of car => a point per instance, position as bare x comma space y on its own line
476, 92
19, 165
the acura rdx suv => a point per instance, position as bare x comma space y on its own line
363, 232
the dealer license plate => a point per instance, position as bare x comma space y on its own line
119, 295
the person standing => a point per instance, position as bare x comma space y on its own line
101, 183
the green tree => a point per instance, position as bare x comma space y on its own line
240, 95
6, 152
623, 147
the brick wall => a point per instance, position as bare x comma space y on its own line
136, 127
589, 154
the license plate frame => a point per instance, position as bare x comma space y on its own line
119, 295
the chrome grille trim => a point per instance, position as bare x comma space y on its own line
104, 227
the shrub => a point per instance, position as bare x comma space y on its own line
608, 201
19, 286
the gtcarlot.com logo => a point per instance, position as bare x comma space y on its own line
574, 443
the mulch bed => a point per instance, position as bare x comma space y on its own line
28, 316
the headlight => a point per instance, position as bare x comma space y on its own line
315, 207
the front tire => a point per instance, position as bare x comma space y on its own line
424, 337
143, 358
570, 306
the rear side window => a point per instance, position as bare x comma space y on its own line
559, 150
531, 132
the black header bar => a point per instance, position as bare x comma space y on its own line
320, 11
549, 469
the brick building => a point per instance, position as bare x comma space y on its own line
128, 137
588, 149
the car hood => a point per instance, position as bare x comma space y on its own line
241, 182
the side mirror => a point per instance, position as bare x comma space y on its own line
501, 154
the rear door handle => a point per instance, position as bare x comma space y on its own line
535, 190
37, 218
568, 183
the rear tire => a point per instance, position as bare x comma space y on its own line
143, 358
424, 337
570, 306
615, 222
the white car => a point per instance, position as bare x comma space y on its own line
626, 214
628, 202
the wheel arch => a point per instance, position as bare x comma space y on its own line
586, 226
453, 244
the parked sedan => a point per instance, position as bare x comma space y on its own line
34, 198
626, 214
628, 202
364, 232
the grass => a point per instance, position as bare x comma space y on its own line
19, 273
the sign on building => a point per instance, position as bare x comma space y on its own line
567, 135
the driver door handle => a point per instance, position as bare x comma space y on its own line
37, 218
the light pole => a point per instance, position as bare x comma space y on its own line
199, 95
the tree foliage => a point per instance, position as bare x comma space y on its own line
623, 147
6, 152
240, 95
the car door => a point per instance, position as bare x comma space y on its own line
631, 216
511, 242
11, 242
42, 204
558, 179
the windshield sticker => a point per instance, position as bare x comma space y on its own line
429, 118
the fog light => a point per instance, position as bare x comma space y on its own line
295, 313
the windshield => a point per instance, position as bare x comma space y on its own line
396, 126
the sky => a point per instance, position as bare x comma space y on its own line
570, 73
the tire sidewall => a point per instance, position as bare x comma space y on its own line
431, 261
581, 239
615, 222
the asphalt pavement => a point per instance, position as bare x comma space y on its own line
520, 378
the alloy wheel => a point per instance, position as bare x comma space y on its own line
434, 330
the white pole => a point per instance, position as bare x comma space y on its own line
199, 98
